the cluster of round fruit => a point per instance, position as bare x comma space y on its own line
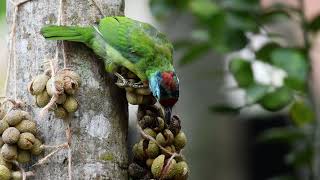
56, 92
157, 155
136, 96
18, 142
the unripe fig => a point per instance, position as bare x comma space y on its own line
149, 162
161, 139
150, 113
169, 136
60, 112
147, 121
50, 87
171, 170
138, 150
26, 115
149, 100
181, 171
136, 171
171, 149
26, 141
5, 173
11, 135
152, 150
36, 149
1, 141
129, 89
2, 113
61, 98
157, 166
65, 74
71, 104
27, 126
38, 84
175, 125
13, 117
16, 175
150, 132
42, 99
9, 152
3, 126
23, 156
55, 84
133, 98
180, 140
70, 86
5, 163
161, 124
165, 138
143, 91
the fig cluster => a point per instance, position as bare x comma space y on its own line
58, 91
136, 96
18, 142
157, 155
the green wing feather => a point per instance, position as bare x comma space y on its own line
135, 40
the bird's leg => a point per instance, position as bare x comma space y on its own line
123, 82
138, 85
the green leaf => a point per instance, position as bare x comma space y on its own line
242, 20
295, 84
314, 25
292, 61
224, 37
282, 135
300, 157
241, 5
301, 113
274, 14
277, 100
203, 8
242, 72
194, 53
255, 92
224, 109
264, 53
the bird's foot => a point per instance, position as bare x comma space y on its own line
123, 82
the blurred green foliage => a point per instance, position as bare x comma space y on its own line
222, 26
2, 8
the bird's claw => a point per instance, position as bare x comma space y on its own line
123, 82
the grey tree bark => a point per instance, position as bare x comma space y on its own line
99, 127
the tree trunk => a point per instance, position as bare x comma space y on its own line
99, 127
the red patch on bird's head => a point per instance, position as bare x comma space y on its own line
168, 80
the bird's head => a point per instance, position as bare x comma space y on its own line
165, 88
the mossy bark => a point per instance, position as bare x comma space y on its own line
99, 127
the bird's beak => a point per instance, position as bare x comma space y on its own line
168, 112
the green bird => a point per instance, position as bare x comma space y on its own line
138, 46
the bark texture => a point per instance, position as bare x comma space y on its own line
99, 127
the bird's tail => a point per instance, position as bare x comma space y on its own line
68, 33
